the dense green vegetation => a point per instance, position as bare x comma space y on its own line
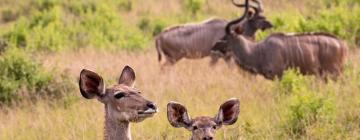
340, 18
22, 78
54, 25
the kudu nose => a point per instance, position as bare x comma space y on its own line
151, 105
208, 138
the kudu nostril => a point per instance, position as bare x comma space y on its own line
208, 138
151, 105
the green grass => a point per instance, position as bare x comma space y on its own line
23, 79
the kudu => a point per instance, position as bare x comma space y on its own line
123, 103
203, 127
319, 54
194, 41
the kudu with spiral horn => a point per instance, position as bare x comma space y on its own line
320, 54
194, 41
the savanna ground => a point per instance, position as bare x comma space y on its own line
44, 45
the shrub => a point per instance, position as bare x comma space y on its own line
3, 45
144, 24
307, 109
125, 5
100, 26
8, 15
303, 106
21, 77
154, 27
56, 25
194, 6
158, 27
44, 31
343, 23
340, 18
293, 82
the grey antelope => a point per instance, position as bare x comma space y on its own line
123, 103
203, 127
195, 40
318, 54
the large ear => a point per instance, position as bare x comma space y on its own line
127, 76
177, 115
228, 112
91, 84
264, 24
239, 30
250, 14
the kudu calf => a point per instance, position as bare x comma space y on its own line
203, 127
318, 54
195, 41
123, 103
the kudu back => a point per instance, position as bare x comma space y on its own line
203, 127
320, 54
194, 41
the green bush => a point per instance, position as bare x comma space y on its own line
307, 109
158, 26
293, 82
341, 19
44, 31
21, 77
151, 26
343, 23
304, 107
8, 15
57, 25
125, 5
194, 6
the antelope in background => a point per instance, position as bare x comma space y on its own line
318, 54
195, 41
203, 127
123, 103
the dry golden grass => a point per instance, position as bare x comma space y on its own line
192, 82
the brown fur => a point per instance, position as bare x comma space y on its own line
203, 127
320, 54
123, 103
195, 40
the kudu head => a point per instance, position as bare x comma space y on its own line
203, 127
253, 21
231, 38
123, 103
246, 27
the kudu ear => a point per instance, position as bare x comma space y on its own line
127, 76
250, 14
177, 115
264, 24
228, 112
91, 84
239, 30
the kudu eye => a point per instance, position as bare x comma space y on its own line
119, 95
195, 127
214, 127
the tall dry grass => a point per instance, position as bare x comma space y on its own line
192, 82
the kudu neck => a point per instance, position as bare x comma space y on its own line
245, 52
115, 130
245, 48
